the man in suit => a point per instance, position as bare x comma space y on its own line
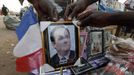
60, 38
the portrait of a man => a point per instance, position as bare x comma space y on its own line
96, 42
60, 38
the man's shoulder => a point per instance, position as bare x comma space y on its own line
72, 52
55, 56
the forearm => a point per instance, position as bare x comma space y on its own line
121, 18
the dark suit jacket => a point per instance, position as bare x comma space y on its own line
55, 59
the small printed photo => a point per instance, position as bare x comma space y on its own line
96, 42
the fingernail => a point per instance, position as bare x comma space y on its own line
78, 23
69, 18
55, 19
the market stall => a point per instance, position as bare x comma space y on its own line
63, 48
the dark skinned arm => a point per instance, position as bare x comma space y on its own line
74, 9
122, 19
101, 19
45, 9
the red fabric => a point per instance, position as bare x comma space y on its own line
130, 66
114, 69
29, 62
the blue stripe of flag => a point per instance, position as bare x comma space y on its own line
28, 19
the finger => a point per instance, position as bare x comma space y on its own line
74, 13
84, 14
84, 22
68, 10
54, 14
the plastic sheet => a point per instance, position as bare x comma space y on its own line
11, 22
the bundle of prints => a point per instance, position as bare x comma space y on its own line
112, 69
122, 52
116, 69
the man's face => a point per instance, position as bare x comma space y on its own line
62, 40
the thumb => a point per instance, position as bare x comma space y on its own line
74, 13
84, 14
54, 14
84, 22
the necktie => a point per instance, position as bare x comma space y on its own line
63, 60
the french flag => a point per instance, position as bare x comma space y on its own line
29, 47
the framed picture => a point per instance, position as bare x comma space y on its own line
61, 44
111, 29
83, 38
96, 43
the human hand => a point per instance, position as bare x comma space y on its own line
86, 12
45, 10
74, 9
93, 18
